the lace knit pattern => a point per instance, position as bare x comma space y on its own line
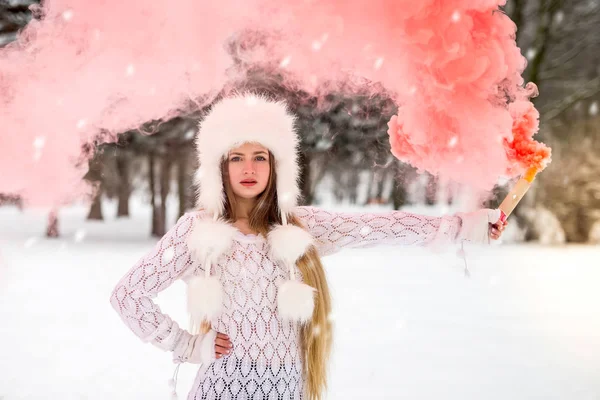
266, 361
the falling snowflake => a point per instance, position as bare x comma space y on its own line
286, 196
453, 141
80, 235
456, 16
39, 142
316, 330
189, 134
285, 62
30, 242
531, 53
318, 44
594, 108
379, 63
130, 70
400, 324
38, 145
67, 15
559, 17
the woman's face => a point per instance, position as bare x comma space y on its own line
249, 170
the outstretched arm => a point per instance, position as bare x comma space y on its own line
336, 230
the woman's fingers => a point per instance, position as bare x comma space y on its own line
497, 229
223, 345
221, 351
495, 233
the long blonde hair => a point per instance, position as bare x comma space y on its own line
316, 335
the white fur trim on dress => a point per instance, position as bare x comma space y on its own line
242, 119
209, 239
205, 298
476, 225
296, 301
287, 243
207, 347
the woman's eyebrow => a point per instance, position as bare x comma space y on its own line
242, 154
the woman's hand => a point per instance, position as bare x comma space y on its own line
222, 345
497, 229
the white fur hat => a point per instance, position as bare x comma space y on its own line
238, 120
231, 123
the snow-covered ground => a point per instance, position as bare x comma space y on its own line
409, 325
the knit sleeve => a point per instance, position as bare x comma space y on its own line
153, 273
334, 231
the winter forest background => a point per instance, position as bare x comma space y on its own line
526, 325
346, 147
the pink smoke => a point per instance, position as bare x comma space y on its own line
453, 66
523, 152
89, 66
92, 66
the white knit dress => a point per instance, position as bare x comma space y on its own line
266, 361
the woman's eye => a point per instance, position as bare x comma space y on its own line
236, 158
261, 158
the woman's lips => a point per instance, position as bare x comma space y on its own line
248, 184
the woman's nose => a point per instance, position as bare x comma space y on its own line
248, 168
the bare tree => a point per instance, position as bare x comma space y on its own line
14, 15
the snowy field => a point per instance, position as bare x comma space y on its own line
409, 325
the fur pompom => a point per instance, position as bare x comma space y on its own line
205, 298
296, 301
209, 239
288, 243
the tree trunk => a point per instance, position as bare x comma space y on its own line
182, 182
399, 195
123, 164
152, 178
402, 177
305, 179
381, 186
96, 207
369, 186
431, 190
352, 187
516, 15
52, 228
546, 12
164, 180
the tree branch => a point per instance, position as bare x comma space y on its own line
556, 109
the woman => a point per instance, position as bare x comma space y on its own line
257, 292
